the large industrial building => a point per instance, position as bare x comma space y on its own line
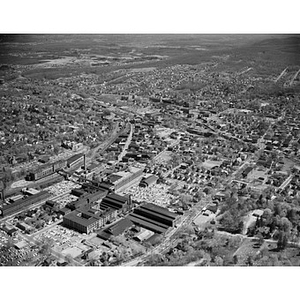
115, 229
47, 170
87, 199
122, 178
92, 211
18, 205
77, 159
117, 202
148, 180
87, 220
153, 217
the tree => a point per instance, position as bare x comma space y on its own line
249, 260
231, 222
219, 261
259, 238
286, 225
267, 216
154, 260
282, 240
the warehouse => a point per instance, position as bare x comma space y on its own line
115, 229
119, 227
143, 235
120, 179
148, 181
106, 186
20, 204
153, 217
157, 213
118, 202
41, 172
148, 223
44, 171
87, 199
78, 192
75, 159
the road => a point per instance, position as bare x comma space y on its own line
128, 141
103, 146
286, 182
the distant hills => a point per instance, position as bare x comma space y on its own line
266, 54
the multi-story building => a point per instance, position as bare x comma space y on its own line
74, 160
87, 220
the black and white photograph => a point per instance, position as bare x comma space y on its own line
133, 149
150, 150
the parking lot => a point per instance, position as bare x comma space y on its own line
157, 194
62, 187
63, 201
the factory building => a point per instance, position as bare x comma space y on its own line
87, 199
41, 172
122, 178
148, 181
117, 202
115, 229
18, 205
44, 171
87, 220
153, 217
77, 159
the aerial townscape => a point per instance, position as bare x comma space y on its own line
149, 150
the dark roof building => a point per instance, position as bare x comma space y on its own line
87, 220
18, 205
75, 159
119, 227
117, 202
115, 229
148, 181
87, 199
153, 217
246, 172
